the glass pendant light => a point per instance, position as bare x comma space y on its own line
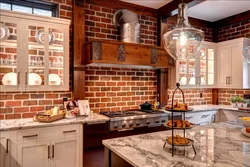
184, 41
246, 54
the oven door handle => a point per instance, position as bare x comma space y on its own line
125, 129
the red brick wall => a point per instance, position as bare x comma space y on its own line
226, 94
112, 89
14, 105
99, 25
237, 30
192, 96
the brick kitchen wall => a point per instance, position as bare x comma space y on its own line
99, 25
113, 89
226, 94
192, 96
237, 30
14, 105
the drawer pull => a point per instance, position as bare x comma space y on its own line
7, 146
70, 131
30, 136
188, 117
53, 151
48, 152
205, 116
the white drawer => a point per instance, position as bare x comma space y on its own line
47, 133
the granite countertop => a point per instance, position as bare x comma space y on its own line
217, 145
26, 123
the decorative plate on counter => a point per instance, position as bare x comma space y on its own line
245, 133
4, 32
54, 79
10, 79
34, 79
40, 37
188, 143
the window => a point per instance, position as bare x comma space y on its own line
31, 7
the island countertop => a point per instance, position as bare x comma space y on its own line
27, 123
217, 145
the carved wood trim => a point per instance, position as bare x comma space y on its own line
153, 55
121, 57
96, 51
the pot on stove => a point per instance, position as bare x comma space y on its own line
146, 106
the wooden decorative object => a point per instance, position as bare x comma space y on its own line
119, 53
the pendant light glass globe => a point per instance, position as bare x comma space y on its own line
246, 54
183, 41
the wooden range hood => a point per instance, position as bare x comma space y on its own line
128, 55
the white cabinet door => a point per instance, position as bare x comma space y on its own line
66, 152
223, 66
236, 70
34, 154
5, 153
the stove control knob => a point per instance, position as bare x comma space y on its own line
147, 122
138, 123
123, 125
163, 120
115, 126
130, 124
157, 121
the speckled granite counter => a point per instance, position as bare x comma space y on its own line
15, 124
217, 145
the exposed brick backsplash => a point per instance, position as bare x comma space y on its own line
237, 30
112, 89
99, 25
192, 96
15, 105
226, 94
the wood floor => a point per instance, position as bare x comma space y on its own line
94, 157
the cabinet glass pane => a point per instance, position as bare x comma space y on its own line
8, 53
191, 71
183, 72
56, 57
36, 56
210, 66
203, 67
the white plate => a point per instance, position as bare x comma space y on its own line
34, 79
54, 79
10, 79
4, 32
245, 133
40, 37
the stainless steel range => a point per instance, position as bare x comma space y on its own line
127, 120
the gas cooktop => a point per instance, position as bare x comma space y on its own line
122, 113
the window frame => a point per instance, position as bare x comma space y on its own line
53, 7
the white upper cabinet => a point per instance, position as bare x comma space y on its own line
198, 72
233, 71
34, 54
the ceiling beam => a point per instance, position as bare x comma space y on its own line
171, 8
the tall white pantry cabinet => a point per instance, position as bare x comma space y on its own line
59, 146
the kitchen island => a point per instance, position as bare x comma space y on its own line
217, 145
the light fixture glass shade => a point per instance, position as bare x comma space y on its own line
246, 54
183, 41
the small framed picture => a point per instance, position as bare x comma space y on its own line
84, 107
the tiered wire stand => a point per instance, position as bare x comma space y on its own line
191, 142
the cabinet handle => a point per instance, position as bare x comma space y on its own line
205, 116
30, 136
48, 152
53, 152
26, 78
226, 80
188, 117
229, 80
18, 78
70, 131
7, 146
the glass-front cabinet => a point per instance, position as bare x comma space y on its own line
200, 70
34, 52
